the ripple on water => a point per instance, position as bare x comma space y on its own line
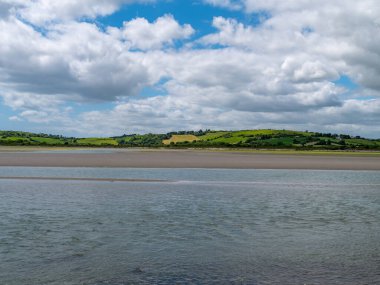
190, 233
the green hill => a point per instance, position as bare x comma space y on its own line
280, 139
256, 139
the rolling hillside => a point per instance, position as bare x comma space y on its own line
257, 139
275, 139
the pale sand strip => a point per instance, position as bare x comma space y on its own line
191, 159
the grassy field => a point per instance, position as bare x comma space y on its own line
244, 139
276, 139
31, 139
47, 140
97, 142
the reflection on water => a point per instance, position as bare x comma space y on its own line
293, 231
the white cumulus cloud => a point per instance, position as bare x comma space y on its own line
280, 72
229, 4
164, 31
41, 12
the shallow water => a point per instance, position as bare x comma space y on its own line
207, 227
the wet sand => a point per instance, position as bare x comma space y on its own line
190, 159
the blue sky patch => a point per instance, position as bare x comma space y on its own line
346, 82
198, 15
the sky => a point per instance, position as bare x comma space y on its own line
109, 67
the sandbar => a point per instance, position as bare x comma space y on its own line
142, 158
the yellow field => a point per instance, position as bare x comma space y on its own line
180, 138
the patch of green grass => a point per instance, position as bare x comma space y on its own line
229, 140
270, 132
212, 135
51, 141
285, 141
363, 142
267, 136
97, 141
14, 141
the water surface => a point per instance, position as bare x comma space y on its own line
207, 227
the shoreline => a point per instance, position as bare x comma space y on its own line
5, 148
189, 158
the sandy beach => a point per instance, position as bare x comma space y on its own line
189, 159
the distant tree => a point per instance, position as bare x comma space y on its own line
343, 137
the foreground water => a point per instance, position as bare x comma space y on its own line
201, 227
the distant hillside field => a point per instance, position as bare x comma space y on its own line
97, 141
273, 139
255, 139
180, 138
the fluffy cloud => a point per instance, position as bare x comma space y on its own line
145, 36
168, 113
344, 33
41, 12
15, 119
229, 4
37, 108
74, 59
26, 101
278, 73
9, 6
